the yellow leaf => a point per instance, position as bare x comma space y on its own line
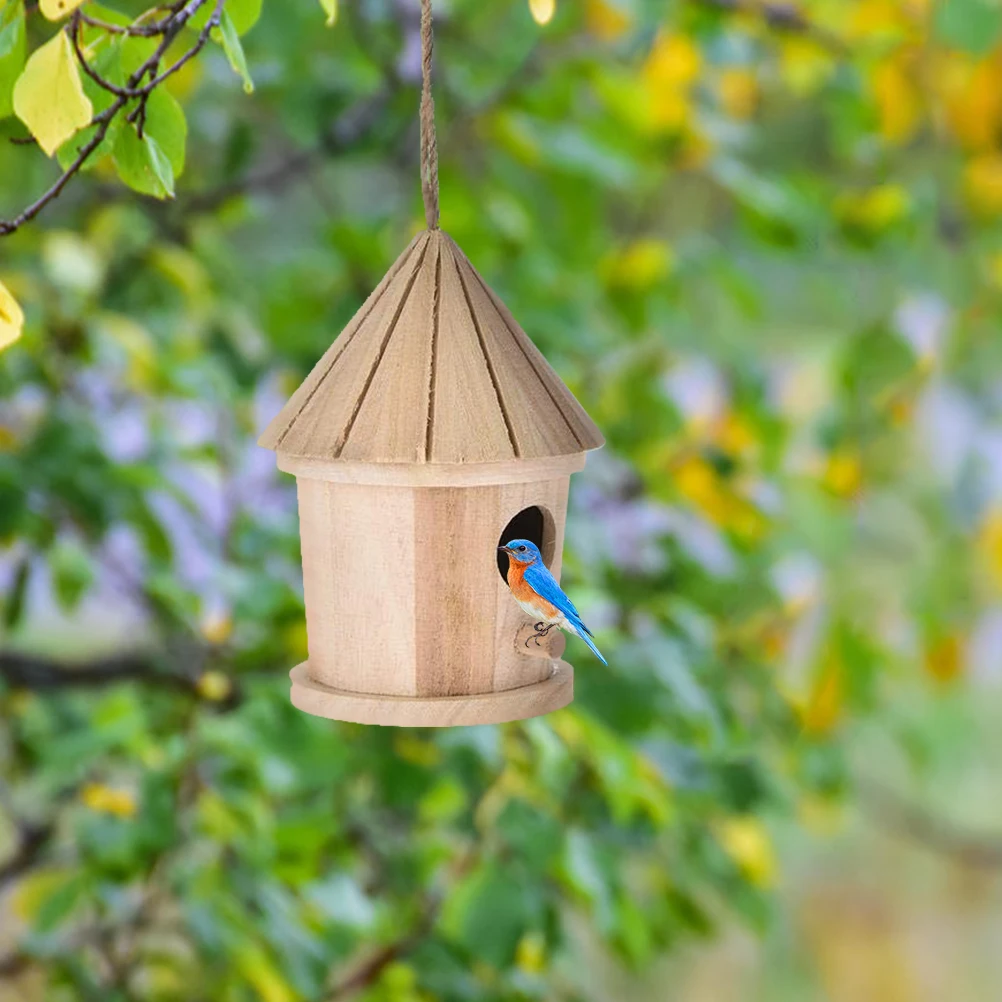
990, 544
738, 89
898, 102
330, 9
265, 976
843, 474
217, 626
56, 9
944, 658
675, 60
214, 686
48, 95
804, 64
641, 265
542, 10
530, 954
823, 708
972, 99
106, 800
983, 184
874, 211
11, 318
606, 19
747, 842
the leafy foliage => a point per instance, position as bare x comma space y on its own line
760, 242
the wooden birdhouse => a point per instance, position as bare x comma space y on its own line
432, 431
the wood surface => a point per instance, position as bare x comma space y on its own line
515, 471
403, 595
432, 370
553, 691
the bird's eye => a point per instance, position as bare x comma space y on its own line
521, 549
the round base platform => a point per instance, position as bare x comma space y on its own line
435, 711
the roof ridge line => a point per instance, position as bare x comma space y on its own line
436, 307
342, 440
460, 261
491, 296
400, 263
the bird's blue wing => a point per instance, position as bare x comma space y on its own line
545, 586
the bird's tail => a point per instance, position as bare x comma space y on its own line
582, 631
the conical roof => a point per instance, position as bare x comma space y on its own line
432, 369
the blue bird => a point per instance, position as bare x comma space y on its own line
537, 592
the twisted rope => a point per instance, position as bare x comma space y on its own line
429, 142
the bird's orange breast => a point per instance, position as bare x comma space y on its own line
524, 592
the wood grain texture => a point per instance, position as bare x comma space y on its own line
411, 573
358, 559
433, 369
277, 431
553, 691
456, 533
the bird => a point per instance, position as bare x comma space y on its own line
537, 592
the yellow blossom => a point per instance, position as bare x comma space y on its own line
106, 800
747, 842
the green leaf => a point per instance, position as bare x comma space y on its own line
243, 13
971, 25
227, 36
12, 53
488, 913
72, 573
142, 164
165, 123
13, 608
330, 9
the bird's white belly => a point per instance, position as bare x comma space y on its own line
538, 616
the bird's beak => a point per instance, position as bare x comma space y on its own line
504, 549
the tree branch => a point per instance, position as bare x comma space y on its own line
369, 970
900, 816
134, 89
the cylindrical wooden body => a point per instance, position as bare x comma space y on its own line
404, 599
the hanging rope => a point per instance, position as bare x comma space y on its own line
429, 143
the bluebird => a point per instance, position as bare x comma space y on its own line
537, 592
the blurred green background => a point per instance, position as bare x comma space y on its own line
762, 244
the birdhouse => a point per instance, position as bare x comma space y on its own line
431, 432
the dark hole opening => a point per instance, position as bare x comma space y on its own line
529, 523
